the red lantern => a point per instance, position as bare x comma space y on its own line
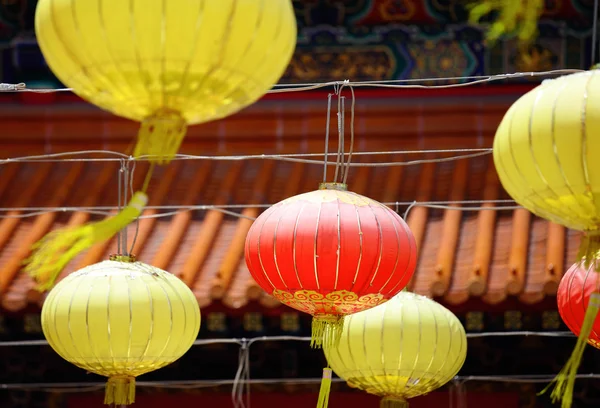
330, 253
574, 293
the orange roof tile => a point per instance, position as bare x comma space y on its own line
485, 254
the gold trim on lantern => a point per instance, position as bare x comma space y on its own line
331, 194
340, 302
131, 258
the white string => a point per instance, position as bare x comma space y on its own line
251, 341
394, 83
74, 387
63, 157
23, 212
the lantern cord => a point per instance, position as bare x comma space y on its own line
81, 387
338, 88
327, 124
29, 212
411, 83
240, 382
467, 153
352, 111
263, 339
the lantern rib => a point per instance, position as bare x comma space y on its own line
155, 363
382, 348
379, 246
181, 348
436, 373
294, 245
315, 255
151, 328
584, 135
339, 245
360, 252
555, 147
393, 222
90, 50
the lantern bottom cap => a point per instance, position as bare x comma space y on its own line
120, 390
326, 330
393, 402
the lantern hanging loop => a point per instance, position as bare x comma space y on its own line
340, 129
327, 125
349, 160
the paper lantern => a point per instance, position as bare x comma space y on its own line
164, 63
545, 154
402, 349
575, 291
167, 63
120, 319
330, 253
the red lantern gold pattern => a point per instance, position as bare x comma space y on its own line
330, 253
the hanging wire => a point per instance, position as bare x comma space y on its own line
171, 210
120, 201
465, 153
393, 83
352, 111
327, 124
262, 339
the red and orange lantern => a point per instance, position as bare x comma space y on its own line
330, 253
578, 291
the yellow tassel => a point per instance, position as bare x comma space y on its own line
160, 136
589, 249
514, 15
565, 380
53, 252
393, 402
120, 391
326, 331
325, 390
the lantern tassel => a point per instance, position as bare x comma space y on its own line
589, 248
160, 136
326, 331
393, 402
518, 15
54, 251
565, 380
325, 390
120, 391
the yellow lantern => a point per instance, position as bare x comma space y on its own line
545, 152
406, 347
167, 64
121, 319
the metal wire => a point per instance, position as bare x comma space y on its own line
64, 157
250, 341
394, 83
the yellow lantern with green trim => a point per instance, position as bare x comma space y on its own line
404, 348
165, 63
545, 153
121, 319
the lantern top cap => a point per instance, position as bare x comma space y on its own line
333, 186
123, 258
